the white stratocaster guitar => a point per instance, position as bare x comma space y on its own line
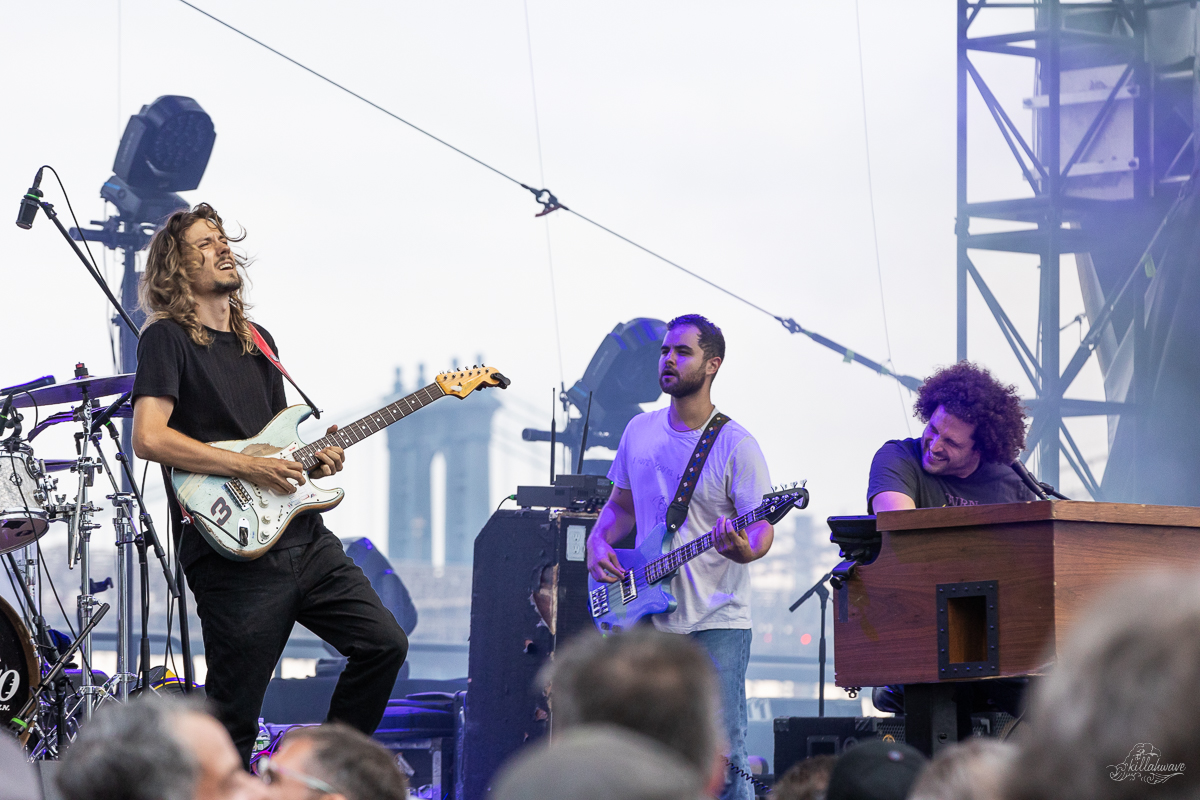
242, 520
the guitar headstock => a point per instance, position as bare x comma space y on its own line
464, 381
783, 499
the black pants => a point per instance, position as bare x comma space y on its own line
247, 610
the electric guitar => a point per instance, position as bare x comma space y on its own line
642, 590
242, 520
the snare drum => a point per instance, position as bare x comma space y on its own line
23, 517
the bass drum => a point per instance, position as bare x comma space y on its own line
18, 663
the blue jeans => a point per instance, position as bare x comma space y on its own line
729, 649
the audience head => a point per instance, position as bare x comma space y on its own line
972, 770
805, 780
599, 762
661, 685
875, 770
1120, 704
154, 748
20, 782
334, 760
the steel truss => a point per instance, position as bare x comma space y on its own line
1052, 207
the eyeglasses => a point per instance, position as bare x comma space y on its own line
270, 772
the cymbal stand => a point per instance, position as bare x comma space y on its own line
79, 533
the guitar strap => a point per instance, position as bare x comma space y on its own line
266, 350
677, 511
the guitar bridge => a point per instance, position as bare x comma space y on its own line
628, 588
239, 493
598, 601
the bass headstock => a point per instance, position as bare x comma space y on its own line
464, 381
783, 499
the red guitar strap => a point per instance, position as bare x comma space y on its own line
266, 350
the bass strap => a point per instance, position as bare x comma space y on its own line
677, 511
265, 349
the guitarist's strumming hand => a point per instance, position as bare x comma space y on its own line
331, 459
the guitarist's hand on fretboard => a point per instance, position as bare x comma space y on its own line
331, 459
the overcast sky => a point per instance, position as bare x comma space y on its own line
727, 136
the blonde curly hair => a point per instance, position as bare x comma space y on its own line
165, 289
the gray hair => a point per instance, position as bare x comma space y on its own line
972, 770
662, 685
130, 752
351, 762
1126, 678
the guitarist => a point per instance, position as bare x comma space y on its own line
713, 589
201, 379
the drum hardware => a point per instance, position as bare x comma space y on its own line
24, 720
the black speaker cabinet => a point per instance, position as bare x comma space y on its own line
797, 738
528, 593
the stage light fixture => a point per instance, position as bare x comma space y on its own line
165, 147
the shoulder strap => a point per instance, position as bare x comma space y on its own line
261, 344
677, 511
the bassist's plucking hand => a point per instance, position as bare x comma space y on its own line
602, 560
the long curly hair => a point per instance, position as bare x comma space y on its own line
974, 396
165, 290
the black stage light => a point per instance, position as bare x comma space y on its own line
140, 206
166, 146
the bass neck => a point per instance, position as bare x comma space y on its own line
667, 563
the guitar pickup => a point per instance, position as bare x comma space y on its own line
628, 588
243, 532
239, 493
598, 601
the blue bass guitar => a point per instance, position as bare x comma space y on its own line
642, 591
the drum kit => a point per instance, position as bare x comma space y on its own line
40, 697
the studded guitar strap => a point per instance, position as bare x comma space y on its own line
677, 511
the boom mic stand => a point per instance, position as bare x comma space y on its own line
820, 591
1043, 491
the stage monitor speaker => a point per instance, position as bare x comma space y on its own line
528, 594
798, 738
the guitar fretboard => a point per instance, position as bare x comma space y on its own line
372, 423
666, 564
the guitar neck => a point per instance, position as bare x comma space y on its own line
374, 422
669, 562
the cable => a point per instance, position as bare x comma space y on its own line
537, 128
862, 82
550, 203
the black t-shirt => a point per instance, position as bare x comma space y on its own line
897, 468
220, 394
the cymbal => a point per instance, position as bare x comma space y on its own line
73, 391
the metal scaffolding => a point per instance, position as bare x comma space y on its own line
1075, 198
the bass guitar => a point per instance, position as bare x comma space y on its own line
642, 590
242, 520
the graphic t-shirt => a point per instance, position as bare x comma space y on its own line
712, 591
897, 468
220, 394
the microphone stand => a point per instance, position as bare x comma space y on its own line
53, 215
1043, 491
820, 591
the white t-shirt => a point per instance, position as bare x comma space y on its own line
712, 591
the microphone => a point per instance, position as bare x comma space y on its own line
13, 391
29, 203
105, 416
1030, 482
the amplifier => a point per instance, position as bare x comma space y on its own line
797, 738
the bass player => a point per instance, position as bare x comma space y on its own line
713, 589
201, 378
